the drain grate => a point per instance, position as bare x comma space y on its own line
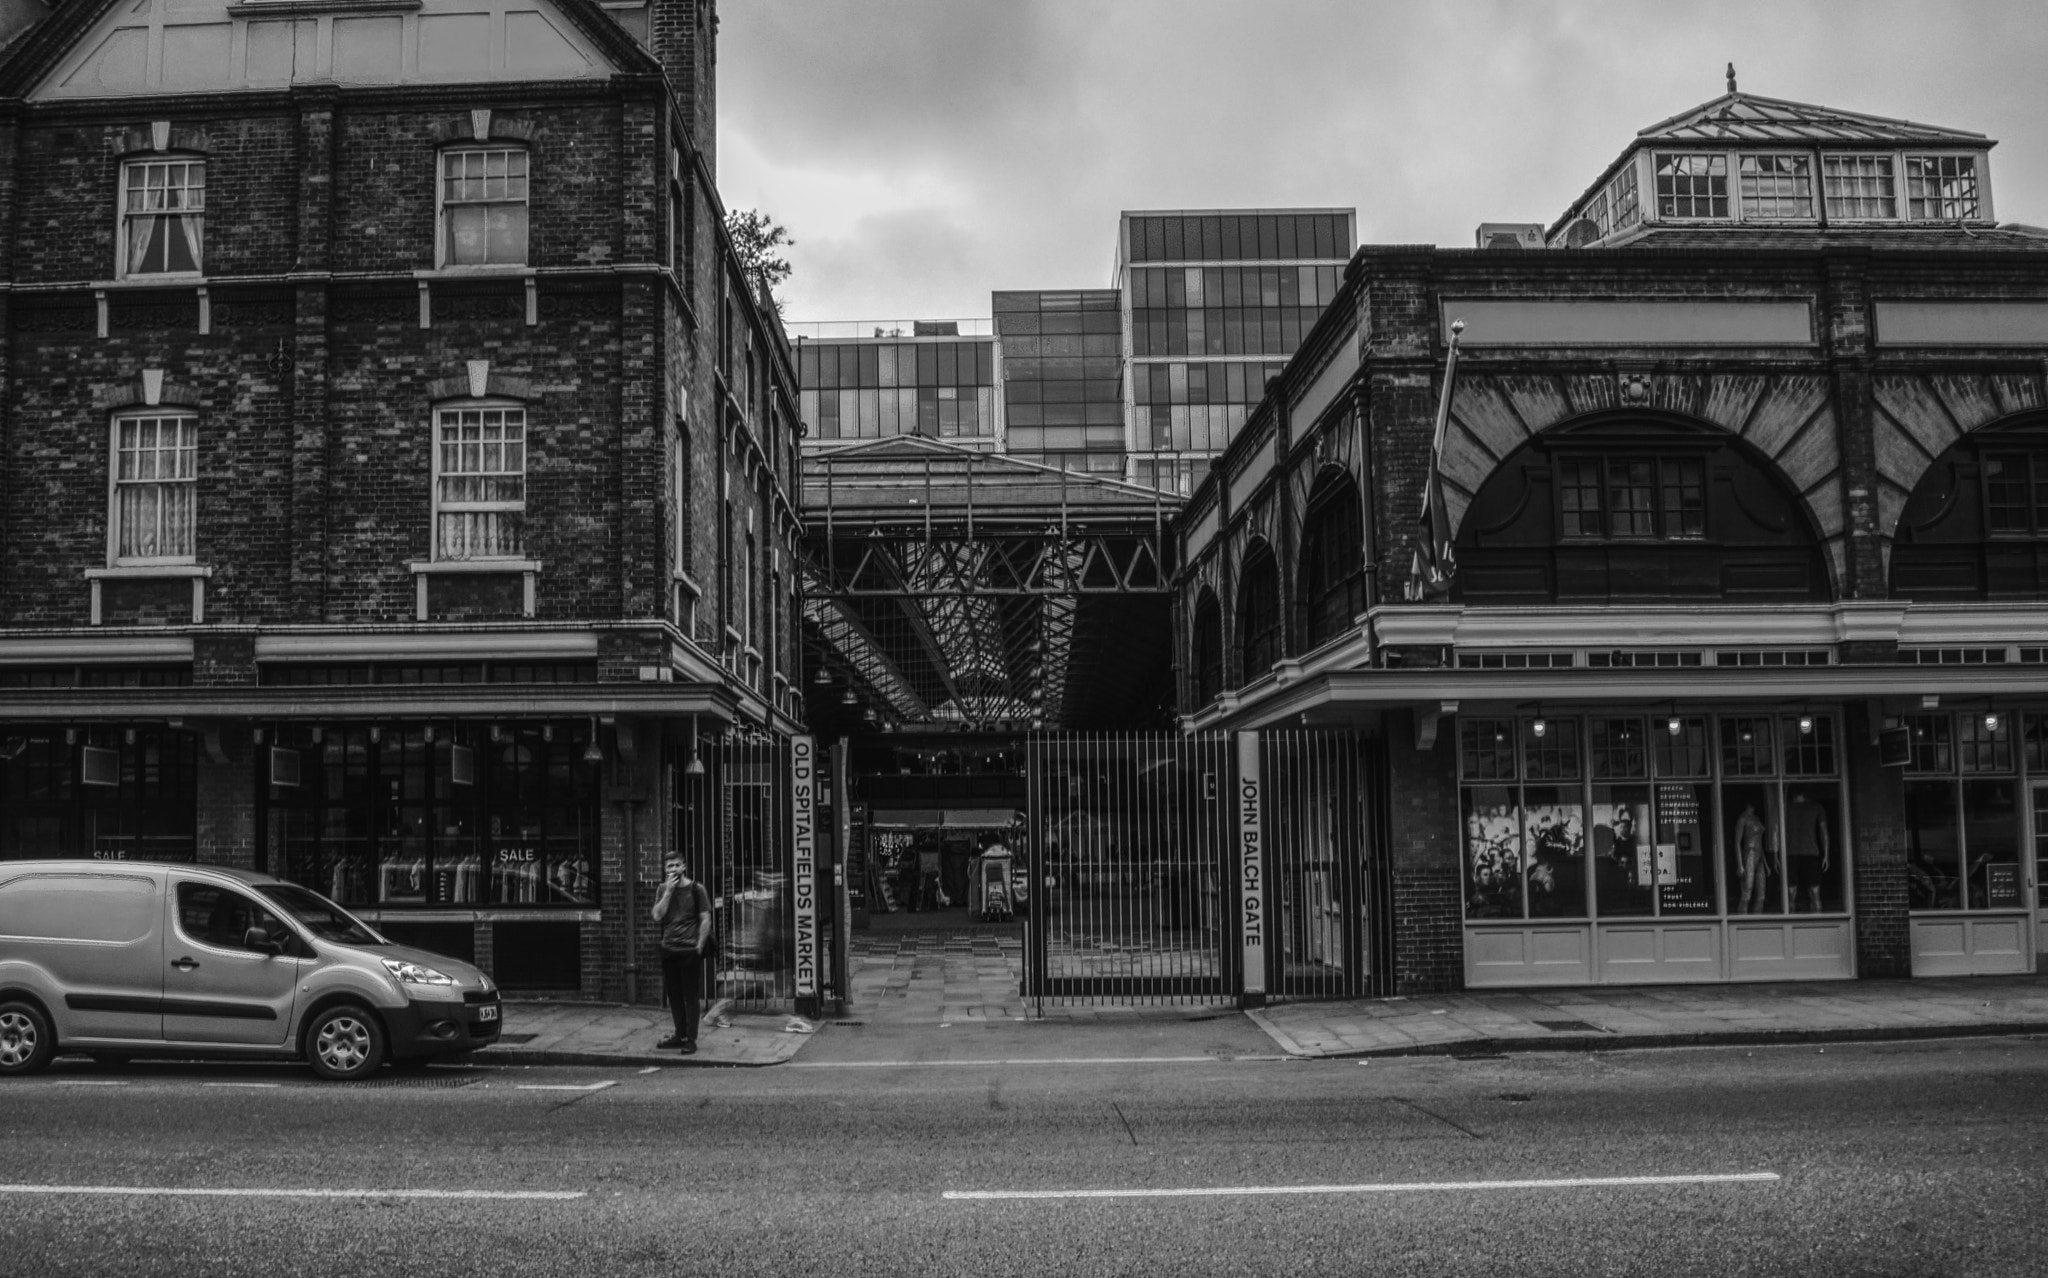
419, 1080
1572, 1027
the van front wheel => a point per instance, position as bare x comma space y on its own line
26, 1043
345, 1043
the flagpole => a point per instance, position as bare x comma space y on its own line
1443, 407
1435, 560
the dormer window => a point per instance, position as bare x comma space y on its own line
1776, 187
1859, 186
1692, 186
1941, 188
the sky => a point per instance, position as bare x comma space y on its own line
922, 153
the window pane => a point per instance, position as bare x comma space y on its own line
1858, 186
1685, 873
1933, 748
1682, 753
1755, 870
1933, 860
1776, 186
1578, 490
1685, 498
2007, 497
1486, 750
1692, 186
1941, 187
1493, 853
1746, 747
1555, 826
1617, 749
1551, 753
1991, 841
1809, 746
1624, 867
1813, 849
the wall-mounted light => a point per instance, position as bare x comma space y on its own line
1674, 725
1805, 725
695, 767
593, 753
1539, 725
1991, 721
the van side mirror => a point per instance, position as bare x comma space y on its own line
258, 939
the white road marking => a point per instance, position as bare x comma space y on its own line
566, 1087
1229, 1191
1033, 1060
651, 1069
245, 1084
92, 1082
155, 1191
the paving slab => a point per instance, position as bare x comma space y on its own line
562, 1033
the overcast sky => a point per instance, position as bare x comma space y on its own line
925, 152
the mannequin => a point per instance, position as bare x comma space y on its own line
1807, 851
1752, 861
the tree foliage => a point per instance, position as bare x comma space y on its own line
759, 240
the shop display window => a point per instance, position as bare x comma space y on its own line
141, 805
1619, 816
413, 817
1965, 813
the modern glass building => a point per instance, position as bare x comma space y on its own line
1063, 377
1215, 302
924, 378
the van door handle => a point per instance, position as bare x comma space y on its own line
186, 964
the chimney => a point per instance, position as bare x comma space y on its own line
685, 39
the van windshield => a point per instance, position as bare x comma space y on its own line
327, 920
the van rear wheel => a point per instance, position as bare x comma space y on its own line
26, 1042
345, 1043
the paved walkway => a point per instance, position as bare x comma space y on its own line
914, 984
1662, 1016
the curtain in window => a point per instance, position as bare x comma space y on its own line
482, 486
155, 471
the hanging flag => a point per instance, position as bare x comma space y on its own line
1436, 558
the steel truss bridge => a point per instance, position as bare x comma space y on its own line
947, 587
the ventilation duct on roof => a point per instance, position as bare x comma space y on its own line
1522, 235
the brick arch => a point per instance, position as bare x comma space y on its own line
1918, 417
1788, 418
1330, 573
1972, 528
1207, 665
1258, 635
1712, 519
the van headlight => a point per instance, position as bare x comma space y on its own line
414, 974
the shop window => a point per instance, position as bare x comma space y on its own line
149, 814
410, 816
1963, 822
2034, 736
163, 218
483, 195
1612, 817
156, 470
480, 482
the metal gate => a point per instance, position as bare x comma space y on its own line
733, 823
1159, 874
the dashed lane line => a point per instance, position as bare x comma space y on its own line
1031, 1060
565, 1087
1443, 1186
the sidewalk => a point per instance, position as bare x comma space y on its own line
541, 1033
1662, 1016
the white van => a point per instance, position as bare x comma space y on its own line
118, 959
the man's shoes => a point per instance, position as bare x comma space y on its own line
687, 1046
676, 1040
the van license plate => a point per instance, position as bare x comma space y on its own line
487, 1013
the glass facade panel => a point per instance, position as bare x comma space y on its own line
1555, 827
1493, 853
1685, 871
1625, 858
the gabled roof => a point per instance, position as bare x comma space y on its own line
1747, 117
114, 48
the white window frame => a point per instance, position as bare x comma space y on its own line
1728, 185
444, 248
1898, 175
1977, 179
1739, 204
187, 454
123, 215
441, 416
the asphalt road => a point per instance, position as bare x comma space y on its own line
1914, 1159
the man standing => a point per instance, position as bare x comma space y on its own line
684, 911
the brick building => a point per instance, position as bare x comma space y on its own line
396, 465
1740, 673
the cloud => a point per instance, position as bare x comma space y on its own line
926, 152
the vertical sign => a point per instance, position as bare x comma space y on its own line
1251, 867
803, 800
